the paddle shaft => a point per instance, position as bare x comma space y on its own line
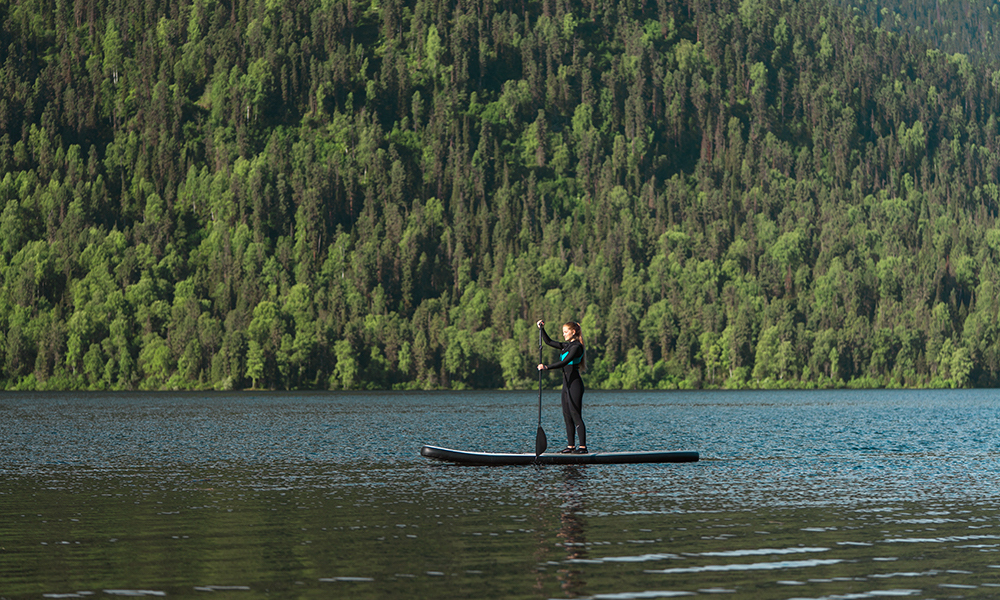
541, 441
539, 377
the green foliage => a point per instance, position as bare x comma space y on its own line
750, 193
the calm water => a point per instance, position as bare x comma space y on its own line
832, 495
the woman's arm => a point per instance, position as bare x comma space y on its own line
549, 341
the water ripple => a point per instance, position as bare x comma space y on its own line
764, 566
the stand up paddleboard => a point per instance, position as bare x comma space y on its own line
597, 458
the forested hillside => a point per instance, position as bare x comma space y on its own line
357, 194
955, 26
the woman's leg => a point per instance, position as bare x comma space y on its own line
568, 418
573, 412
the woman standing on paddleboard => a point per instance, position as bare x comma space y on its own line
571, 361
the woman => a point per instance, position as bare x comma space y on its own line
571, 362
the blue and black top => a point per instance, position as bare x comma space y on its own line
570, 358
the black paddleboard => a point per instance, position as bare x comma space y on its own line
597, 458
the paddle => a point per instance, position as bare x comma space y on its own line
541, 443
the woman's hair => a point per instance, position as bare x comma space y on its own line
577, 330
578, 334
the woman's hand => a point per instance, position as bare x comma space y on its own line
540, 323
541, 367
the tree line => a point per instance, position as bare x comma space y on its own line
323, 194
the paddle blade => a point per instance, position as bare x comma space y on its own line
540, 442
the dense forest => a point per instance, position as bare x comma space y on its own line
954, 26
338, 194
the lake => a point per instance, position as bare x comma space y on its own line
804, 495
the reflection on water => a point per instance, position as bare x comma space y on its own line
572, 528
829, 495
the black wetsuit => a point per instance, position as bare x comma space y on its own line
571, 359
